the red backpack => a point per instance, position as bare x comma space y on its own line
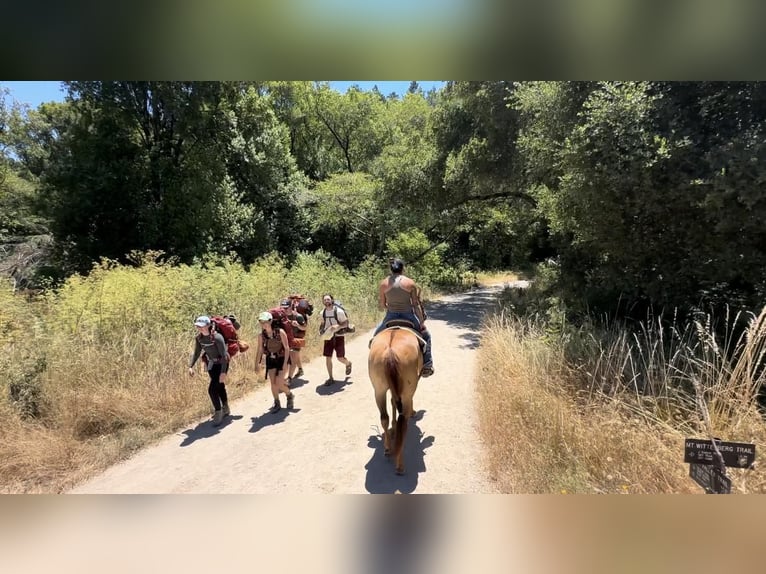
279, 317
225, 327
302, 305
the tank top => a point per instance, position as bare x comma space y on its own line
397, 298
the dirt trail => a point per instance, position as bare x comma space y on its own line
331, 442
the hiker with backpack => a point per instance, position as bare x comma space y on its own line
273, 344
228, 326
335, 324
212, 346
399, 297
299, 324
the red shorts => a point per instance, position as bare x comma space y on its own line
337, 344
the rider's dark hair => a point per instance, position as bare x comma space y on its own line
397, 265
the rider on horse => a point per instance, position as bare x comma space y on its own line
399, 296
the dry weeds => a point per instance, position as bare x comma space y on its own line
98, 370
558, 423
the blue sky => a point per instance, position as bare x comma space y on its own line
35, 93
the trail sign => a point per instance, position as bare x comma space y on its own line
710, 478
734, 454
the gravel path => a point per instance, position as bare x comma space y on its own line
331, 442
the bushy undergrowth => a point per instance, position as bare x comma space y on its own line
606, 408
96, 369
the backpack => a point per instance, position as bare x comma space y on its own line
302, 305
226, 327
267, 351
280, 319
348, 329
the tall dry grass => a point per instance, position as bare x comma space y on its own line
97, 369
587, 410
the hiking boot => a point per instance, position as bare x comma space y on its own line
290, 398
217, 418
276, 407
225, 409
299, 373
427, 371
348, 369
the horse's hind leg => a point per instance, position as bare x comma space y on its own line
394, 411
380, 399
401, 433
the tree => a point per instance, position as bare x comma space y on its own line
649, 189
353, 124
349, 217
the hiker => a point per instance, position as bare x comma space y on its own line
216, 357
399, 296
334, 320
228, 326
299, 323
272, 343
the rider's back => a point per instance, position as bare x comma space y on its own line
398, 299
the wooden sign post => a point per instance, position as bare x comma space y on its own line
708, 460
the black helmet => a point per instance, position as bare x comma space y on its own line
397, 265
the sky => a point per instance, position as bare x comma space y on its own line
35, 93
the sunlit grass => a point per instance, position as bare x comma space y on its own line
487, 279
97, 369
581, 412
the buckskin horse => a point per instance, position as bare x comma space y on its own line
394, 364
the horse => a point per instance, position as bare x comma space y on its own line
394, 364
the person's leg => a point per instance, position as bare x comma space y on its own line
381, 326
282, 386
327, 352
222, 391
428, 362
340, 352
293, 363
214, 392
299, 363
272, 374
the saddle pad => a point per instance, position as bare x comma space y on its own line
421, 339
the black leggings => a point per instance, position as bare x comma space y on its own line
216, 390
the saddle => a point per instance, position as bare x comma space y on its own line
404, 324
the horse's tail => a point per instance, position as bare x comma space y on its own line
391, 363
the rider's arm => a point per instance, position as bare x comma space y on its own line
417, 305
382, 296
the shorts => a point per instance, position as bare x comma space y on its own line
337, 344
274, 363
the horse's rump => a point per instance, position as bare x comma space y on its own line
397, 353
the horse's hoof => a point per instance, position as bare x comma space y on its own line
400, 471
387, 452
